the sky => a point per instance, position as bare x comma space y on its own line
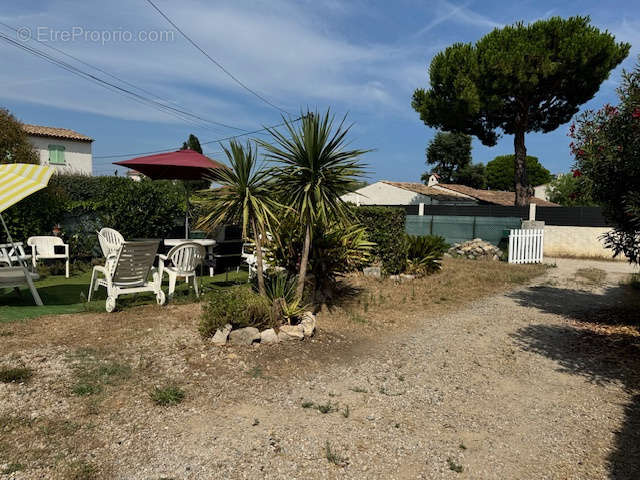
361, 58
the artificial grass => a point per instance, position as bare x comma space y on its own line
62, 295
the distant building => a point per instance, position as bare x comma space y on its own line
64, 149
134, 175
541, 191
413, 193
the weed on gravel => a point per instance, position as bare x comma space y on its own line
333, 457
93, 373
453, 466
13, 467
82, 470
326, 408
15, 375
168, 395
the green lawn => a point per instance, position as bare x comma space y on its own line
68, 295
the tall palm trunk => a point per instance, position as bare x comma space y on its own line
256, 234
304, 261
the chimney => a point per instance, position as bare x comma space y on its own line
433, 180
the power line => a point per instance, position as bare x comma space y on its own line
170, 149
215, 62
115, 77
176, 112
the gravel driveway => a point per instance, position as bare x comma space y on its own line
522, 385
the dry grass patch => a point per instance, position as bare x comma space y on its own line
595, 276
384, 302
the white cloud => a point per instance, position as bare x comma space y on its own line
281, 49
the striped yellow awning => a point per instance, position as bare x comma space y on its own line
19, 180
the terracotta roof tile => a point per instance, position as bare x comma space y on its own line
40, 131
496, 197
459, 192
425, 190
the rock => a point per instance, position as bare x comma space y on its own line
476, 249
395, 278
244, 336
406, 277
375, 272
308, 324
269, 336
291, 332
221, 335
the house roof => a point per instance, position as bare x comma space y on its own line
454, 191
65, 133
425, 190
497, 197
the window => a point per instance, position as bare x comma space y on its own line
56, 154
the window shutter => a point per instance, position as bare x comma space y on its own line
56, 154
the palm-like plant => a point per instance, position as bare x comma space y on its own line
314, 169
245, 197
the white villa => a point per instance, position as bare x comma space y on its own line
385, 192
64, 149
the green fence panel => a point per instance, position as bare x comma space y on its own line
456, 229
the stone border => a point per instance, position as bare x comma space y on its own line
250, 335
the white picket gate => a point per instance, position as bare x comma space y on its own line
526, 245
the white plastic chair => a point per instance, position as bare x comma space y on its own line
181, 261
13, 253
110, 241
128, 271
44, 248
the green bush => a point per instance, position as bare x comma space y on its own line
424, 253
385, 227
238, 306
82, 204
336, 248
280, 288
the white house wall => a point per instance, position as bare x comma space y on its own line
381, 193
77, 155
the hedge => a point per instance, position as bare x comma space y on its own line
83, 204
386, 227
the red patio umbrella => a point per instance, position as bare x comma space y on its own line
179, 165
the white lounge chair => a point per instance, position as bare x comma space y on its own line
182, 261
128, 271
44, 248
110, 241
13, 253
15, 277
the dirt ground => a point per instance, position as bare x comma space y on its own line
459, 375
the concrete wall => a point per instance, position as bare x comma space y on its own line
77, 155
576, 242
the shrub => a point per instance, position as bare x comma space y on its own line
336, 248
238, 306
385, 228
83, 204
280, 288
424, 253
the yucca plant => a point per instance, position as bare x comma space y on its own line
314, 169
336, 249
280, 288
245, 197
424, 253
